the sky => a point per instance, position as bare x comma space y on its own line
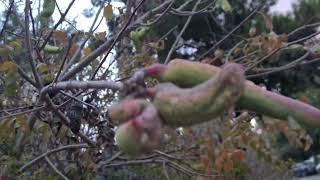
283, 6
83, 23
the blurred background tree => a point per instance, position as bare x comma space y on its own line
241, 31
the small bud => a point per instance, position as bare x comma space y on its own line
252, 31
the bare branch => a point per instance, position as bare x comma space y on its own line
306, 26
65, 120
7, 17
173, 47
229, 34
64, 59
62, 148
29, 45
165, 170
77, 53
55, 168
22, 113
291, 65
69, 85
62, 17
282, 47
119, 35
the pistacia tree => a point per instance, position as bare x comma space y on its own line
172, 87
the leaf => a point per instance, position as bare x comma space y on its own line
52, 49
108, 12
43, 68
7, 126
73, 50
87, 51
17, 46
238, 155
5, 50
8, 67
60, 36
22, 123
228, 165
10, 78
225, 5
101, 35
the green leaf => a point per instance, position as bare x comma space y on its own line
52, 49
43, 68
225, 5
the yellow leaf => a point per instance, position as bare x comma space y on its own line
108, 12
8, 66
87, 51
21, 121
225, 5
63, 132
43, 68
17, 46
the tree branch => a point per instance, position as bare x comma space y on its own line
69, 85
55, 168
173, 47
7, 17
39, 158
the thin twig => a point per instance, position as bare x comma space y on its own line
164, 13
303, 27
165, 170
55, 168
7, 17
69, 85
173, 47
191, 13
64, 59
192, 172
229, 34
119, 35
80, 101
291, 65
26, 77
76, 55
282, 47
22, 113
32, 22
65, 120
62, 148
29, 46
62, 17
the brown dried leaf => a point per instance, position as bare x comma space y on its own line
238, 155
60, 36
87, 51
108, 12
228, 165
